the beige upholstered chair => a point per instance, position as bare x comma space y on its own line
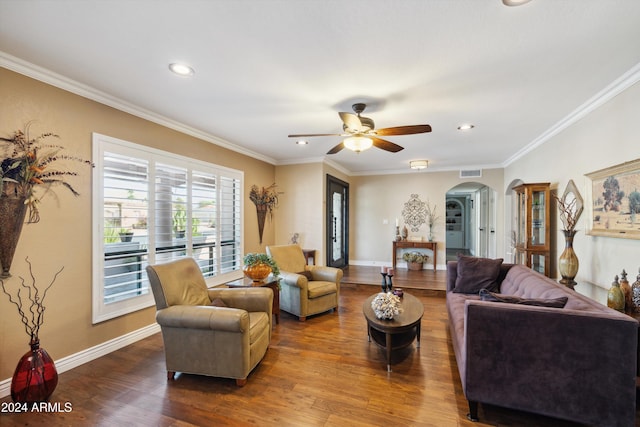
200, 338
306, 289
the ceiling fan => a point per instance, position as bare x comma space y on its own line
361, 133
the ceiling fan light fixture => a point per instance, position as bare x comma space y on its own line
302, 142
358, 143
418, 164
466, 126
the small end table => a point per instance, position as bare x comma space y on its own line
270, 282
309, 253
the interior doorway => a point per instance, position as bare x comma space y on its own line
337, 234
470, 220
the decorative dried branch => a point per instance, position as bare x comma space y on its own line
265, 196
431, 214
29, 300
567, 212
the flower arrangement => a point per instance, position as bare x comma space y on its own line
414, 256
29, 299
254, 258
386, 305
267, 197
29, 166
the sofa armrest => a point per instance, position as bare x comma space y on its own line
204, 317
328, 274
249, 299
528, 358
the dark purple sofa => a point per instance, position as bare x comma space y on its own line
576, 363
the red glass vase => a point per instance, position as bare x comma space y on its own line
35, 377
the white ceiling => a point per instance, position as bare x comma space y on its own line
268, 68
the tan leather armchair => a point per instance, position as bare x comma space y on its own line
314, 291
203, 339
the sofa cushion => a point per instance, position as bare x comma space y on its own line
475, 273
320, 288
187, 292
486, 295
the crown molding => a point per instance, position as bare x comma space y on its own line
44, 75
618, 86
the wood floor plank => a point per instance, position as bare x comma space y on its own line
322, 372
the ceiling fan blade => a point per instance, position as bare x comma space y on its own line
403, 130
315, 134
336, 149
385, 145
351, 121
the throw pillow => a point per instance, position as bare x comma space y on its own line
477, 273
560, 302
306, 274
217, 302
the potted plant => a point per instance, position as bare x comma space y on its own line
257, 266
414, 260
126, 235
180, 221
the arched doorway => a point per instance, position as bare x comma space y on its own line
470, 220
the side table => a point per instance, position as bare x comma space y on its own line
309, 253
405, 244
270, 282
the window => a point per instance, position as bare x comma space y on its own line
153, 207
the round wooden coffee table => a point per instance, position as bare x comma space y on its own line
398, 332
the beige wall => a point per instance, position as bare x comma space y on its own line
604, 138
300, 204
63, 236
380, 198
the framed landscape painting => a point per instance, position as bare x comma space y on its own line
615, 201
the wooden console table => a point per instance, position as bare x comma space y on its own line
404, 244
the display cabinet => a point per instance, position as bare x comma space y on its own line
533, 233
455, 223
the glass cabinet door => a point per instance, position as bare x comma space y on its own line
521, 219
538, 262
538, 226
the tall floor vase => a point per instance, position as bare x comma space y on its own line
12, 213
35, 377
568, 263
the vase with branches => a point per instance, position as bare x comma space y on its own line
35, 377
570, 208
432, 218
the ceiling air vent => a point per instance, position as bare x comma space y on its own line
471, 173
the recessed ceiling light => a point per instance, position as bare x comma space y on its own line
515, 2
181, 69
302, 142
466, 126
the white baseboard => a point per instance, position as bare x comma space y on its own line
84, 356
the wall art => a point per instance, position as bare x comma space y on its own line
615, 201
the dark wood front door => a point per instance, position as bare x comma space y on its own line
337, 222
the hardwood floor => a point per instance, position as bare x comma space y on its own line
425, 279
322, 372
